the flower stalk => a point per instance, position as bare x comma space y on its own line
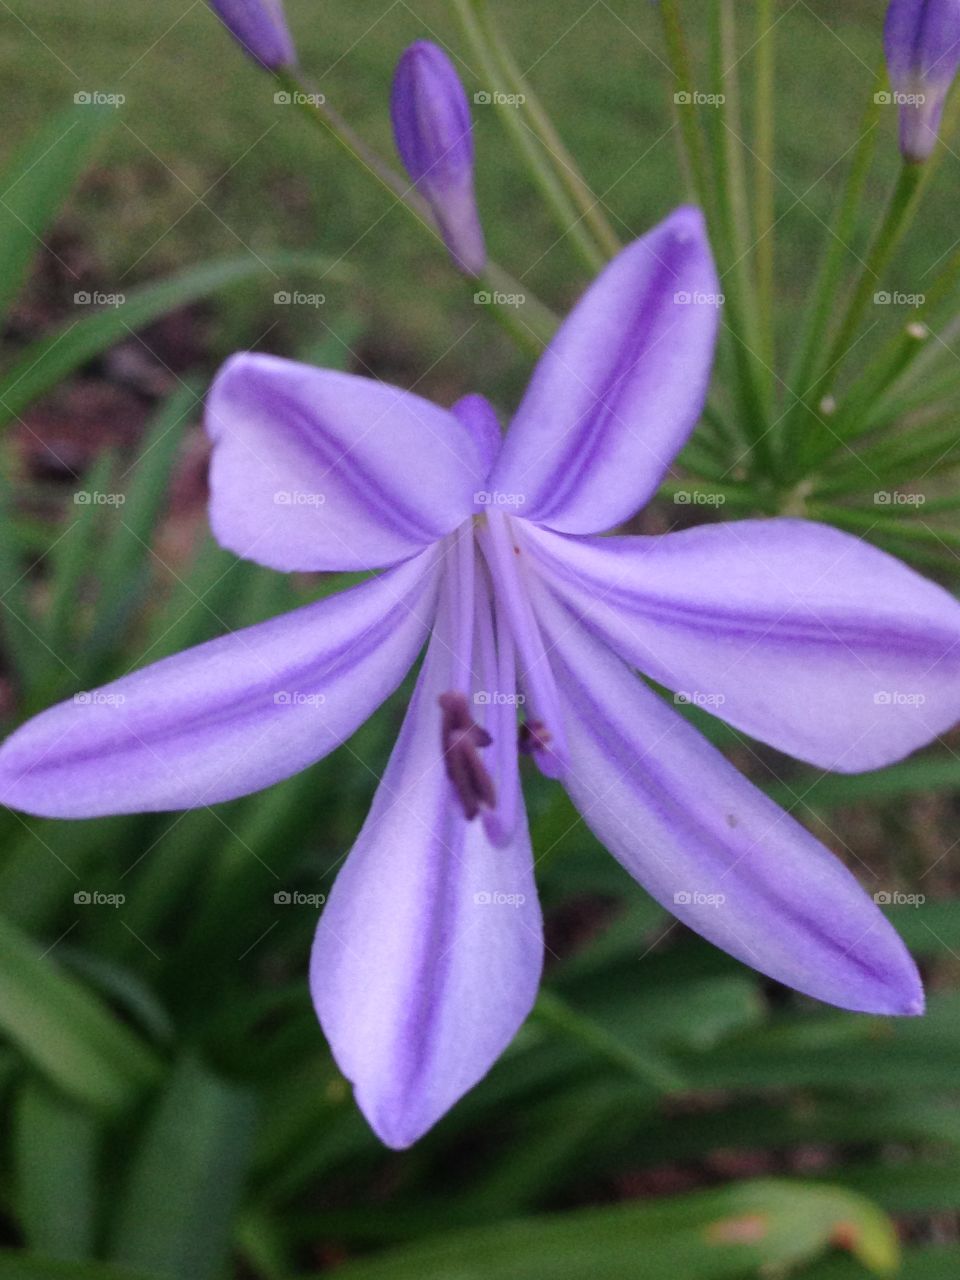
590, 207
764, 172
568, 219
713, 193
532, 329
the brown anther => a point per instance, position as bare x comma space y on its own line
461, 739
534, 736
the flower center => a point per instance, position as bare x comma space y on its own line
497, 663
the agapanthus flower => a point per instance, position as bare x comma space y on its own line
260, 28
433, 133
922, 42
428, 952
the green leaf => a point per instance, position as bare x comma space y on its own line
125, 570
48, 361
176, 1213
57, 1147
934, 772
72, 557
30, 1266
918, 1264
35, 186
727, 1233
65, 1031
17, 631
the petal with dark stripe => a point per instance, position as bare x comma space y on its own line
710, 847
228, 717
620, 388
428, 954
315, 469
800, 635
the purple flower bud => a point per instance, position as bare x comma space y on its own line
431, 124
260, 27
922, 41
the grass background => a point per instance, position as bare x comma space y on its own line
200, 121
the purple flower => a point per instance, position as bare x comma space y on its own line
260, 27
431, 124
922, 41
428, 953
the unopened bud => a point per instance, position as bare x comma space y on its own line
260, 28
922, 43
432, 128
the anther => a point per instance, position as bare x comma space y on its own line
534, 737
462, 738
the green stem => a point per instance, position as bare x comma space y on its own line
897, 218
709, 188
591, 209
864, 522
555, 1013
534, 329
564, 211
731, 168
803, 369
693, 145
865, 406
764, 197
738, 496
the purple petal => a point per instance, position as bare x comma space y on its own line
428, 953
260, 27
478, 415
804, 637
712, 848
620, 387
432, 128
229, 717
314, 469
922, 42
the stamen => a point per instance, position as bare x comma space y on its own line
534, 737
462, 738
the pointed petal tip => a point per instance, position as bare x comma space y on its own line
394, 1130
905, 1001
687, 222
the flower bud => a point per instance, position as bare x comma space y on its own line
260, 27
431, 125
922, 42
